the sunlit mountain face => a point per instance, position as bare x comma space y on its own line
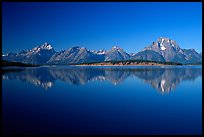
162, 79
166, 49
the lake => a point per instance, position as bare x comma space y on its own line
102, 100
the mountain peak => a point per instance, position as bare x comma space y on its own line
165, 42
163, 39
83, 48
168, 50
164, 49
115, 47
46, 46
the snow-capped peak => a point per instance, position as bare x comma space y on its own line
161, 45
37, 49
115, 47
46, 46
49, 47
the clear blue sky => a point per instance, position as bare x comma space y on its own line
130, 25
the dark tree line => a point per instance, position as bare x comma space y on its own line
127, 62
9, 63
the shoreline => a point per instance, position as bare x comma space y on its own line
131, 64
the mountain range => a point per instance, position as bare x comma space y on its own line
163, 50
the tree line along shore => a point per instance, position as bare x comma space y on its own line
105, 63
129, 63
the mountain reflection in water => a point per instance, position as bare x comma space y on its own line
164, 79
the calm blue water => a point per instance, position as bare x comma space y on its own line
102, 100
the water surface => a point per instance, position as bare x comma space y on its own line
102, 100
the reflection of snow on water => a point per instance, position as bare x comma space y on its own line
162, 84
163, 79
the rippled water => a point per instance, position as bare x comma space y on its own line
102, 100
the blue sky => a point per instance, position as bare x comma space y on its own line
131, 25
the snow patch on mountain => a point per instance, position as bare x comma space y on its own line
164, 49
99, 52
46, 46
161, 44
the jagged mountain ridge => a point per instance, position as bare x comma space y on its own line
75, 55
164, 50
170, 51
37, 55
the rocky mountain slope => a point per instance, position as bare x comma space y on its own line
163, 50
